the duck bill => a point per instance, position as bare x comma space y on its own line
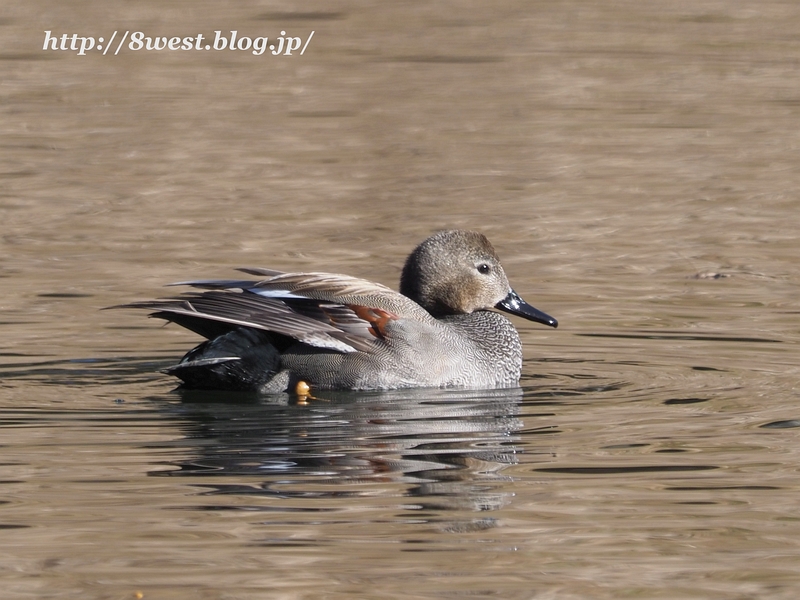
517, 306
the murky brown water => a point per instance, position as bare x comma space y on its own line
635, 164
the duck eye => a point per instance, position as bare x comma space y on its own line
484, 269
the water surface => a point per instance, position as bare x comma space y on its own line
635, 165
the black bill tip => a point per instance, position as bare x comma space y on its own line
515, 305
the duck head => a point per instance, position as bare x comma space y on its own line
458, 272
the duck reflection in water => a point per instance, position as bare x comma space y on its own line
449, 447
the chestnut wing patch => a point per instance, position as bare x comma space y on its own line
377, 318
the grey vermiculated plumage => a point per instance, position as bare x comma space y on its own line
340, 332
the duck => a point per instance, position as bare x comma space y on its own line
324, 331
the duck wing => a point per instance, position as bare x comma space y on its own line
323, 310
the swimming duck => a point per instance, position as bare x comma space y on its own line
333, 331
